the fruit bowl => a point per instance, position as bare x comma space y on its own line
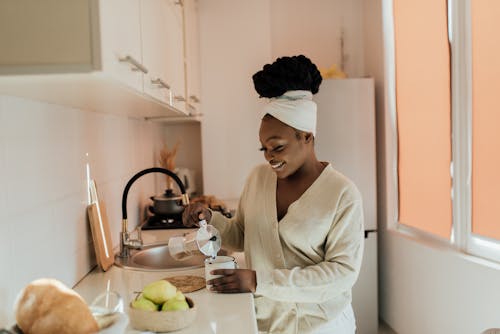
162, 321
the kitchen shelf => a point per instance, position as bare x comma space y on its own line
94, 91
176, 119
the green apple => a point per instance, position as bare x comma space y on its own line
159, 291
175, 305
142, 303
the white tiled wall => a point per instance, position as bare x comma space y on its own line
44, 150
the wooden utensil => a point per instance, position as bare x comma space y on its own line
100, 229
167, 160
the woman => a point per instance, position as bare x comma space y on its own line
299, 221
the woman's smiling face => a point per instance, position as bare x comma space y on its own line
283, 146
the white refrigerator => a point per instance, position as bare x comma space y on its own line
346, 138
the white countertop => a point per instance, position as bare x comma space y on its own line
216, 313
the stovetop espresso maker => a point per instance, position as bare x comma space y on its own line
206, 240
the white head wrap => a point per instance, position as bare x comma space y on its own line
295, 108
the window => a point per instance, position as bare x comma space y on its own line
423, 115
443, 74
485, 68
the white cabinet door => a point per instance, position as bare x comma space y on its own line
34, 40
155, 48
175, 40
192, 46
121, 40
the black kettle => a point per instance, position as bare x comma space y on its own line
167, 204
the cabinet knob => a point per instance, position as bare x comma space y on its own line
194, 98
190, 107
160, 83
137, 66
179, 98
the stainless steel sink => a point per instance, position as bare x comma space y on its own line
157, 258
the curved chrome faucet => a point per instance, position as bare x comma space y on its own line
125, 242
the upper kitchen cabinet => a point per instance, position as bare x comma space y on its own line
192, 49
120, 49
115, 56
163, 51
175, 54
45, 36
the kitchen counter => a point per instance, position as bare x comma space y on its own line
217, 313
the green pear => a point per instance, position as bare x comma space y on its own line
175, 305
144, 304
159, 291
179, 296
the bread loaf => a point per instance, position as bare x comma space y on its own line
47, 306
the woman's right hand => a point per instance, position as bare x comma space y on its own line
195, 212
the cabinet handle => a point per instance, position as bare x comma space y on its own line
179, 98
136, 65
179, 2
194, 98
160, 83
195, 114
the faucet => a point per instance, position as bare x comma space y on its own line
126, 243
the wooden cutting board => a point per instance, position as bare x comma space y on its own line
100, 230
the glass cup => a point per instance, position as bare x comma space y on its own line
107, 309
220, 262
106, 303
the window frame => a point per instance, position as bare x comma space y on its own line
460, 39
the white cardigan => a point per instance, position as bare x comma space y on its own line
306, 263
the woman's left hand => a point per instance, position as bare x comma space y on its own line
233, 280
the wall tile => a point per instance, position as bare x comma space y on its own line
141, 144
38, 171
33, 244
84, 260
3, 190
29, 118
72, 230
6, 294
70, 224
40, 164
43, 187
6, 272
103, 137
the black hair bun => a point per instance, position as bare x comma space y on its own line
287, 73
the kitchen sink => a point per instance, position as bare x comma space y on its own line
158, 258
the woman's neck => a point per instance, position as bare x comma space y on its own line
307, 173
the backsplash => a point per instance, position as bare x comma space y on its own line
44, 153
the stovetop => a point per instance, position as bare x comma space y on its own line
162, 222
159, 222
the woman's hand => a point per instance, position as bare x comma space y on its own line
233, 280
195, 212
